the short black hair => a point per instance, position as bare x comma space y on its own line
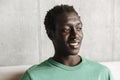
51, 16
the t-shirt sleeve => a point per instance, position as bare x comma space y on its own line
110, 76
105, 74
26, 76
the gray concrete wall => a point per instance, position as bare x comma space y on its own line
19, 21
116, 45
23, 39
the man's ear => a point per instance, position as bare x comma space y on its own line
51, 34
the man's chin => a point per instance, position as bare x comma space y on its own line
74, 52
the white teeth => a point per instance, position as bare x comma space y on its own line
74, 44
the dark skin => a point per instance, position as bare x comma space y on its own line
67, 39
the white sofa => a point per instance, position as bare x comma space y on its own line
15, 72
12, 72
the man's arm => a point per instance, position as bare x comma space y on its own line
26, 76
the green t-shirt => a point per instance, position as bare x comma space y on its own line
52, 70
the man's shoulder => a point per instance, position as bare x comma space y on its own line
39, 67
99, 69
37, 70
95, 65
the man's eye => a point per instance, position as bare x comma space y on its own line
66, 30
79, 29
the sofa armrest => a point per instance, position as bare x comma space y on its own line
12, 72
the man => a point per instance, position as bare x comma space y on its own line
64, 28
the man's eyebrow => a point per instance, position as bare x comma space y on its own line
80, 23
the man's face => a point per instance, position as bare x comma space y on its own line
68, 34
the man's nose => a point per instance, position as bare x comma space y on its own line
74, 34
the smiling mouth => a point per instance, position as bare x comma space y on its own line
74, 44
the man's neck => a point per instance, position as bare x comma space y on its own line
70, 60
